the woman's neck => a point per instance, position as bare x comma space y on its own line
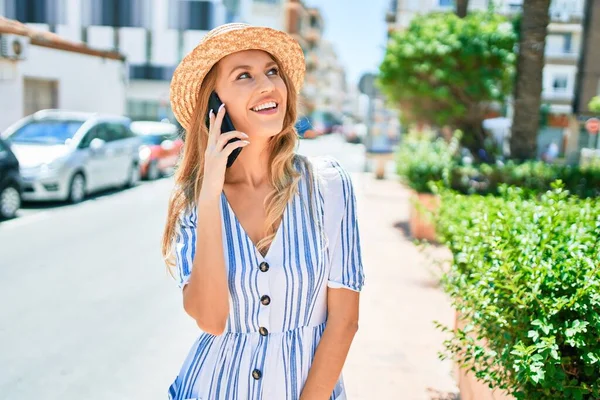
251, 168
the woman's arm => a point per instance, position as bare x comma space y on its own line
206, 296
342, 324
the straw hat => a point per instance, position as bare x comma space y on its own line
220, 42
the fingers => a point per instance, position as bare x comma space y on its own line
227, 150
214, 130
226, 137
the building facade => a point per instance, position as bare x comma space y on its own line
325, 89
154, 35
41, 70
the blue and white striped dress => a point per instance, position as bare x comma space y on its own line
278, 303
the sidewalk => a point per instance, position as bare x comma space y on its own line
394, 355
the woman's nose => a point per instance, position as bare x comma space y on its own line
265, 85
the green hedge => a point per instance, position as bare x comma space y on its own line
421, 160
526, 276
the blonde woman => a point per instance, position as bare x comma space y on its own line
266, 251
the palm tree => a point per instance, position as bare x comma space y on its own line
461, 8
528, 88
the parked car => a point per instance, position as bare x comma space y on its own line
160, 149
65, 155
10, 182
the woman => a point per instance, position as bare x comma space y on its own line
267, 251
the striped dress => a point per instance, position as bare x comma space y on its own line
278, 303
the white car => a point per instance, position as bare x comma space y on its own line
65, 155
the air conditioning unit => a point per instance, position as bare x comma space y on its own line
14, 47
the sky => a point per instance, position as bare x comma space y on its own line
357, 30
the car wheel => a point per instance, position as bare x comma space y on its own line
134, 176
10, 202
77, 189
153, 171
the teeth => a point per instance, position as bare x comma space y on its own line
270, 104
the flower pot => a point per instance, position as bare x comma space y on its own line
422, 226
470, 388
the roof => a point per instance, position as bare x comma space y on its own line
52, 40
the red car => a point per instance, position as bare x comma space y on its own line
160, 149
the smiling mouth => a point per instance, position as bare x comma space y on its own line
269, 106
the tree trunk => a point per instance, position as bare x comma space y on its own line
461, 8
528, 88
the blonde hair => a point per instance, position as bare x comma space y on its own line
188, 178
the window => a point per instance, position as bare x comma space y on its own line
559, 83
191, 14
557, 43
50, 12
118, 13
115, 131
46, 132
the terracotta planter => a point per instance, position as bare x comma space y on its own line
422, 226
470, 388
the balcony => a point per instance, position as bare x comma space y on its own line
567, 11
561, 57
151, 72
558, 96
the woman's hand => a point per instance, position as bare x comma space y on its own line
217, 151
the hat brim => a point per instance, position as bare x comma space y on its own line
190, 73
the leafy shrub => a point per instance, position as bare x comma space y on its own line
526, 278
421, 159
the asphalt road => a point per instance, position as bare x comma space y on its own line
88, 309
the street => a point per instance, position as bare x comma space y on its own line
88, 308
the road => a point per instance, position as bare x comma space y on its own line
88, 310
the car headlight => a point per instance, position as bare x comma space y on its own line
145, 153
51, 167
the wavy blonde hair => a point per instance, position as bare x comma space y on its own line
188, 178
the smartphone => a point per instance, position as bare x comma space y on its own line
227, 126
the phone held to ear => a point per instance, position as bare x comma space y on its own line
227, 126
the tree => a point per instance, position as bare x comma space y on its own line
461, 8
444, 70
528, 88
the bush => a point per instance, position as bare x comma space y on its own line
534, 177
420, 159
526, 277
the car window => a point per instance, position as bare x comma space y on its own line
157, 139
115, 131
87, 139
46, 132
99, 131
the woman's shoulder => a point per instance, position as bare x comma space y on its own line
330, 173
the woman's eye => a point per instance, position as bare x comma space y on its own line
243, 75
273, 71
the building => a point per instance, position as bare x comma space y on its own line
40, 70
269, 13
587, 83
324, 89
154, 35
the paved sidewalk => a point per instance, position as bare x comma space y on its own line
394, 355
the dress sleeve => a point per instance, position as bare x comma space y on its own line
185, 246
345, 248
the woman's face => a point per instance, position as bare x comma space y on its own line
255, 96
